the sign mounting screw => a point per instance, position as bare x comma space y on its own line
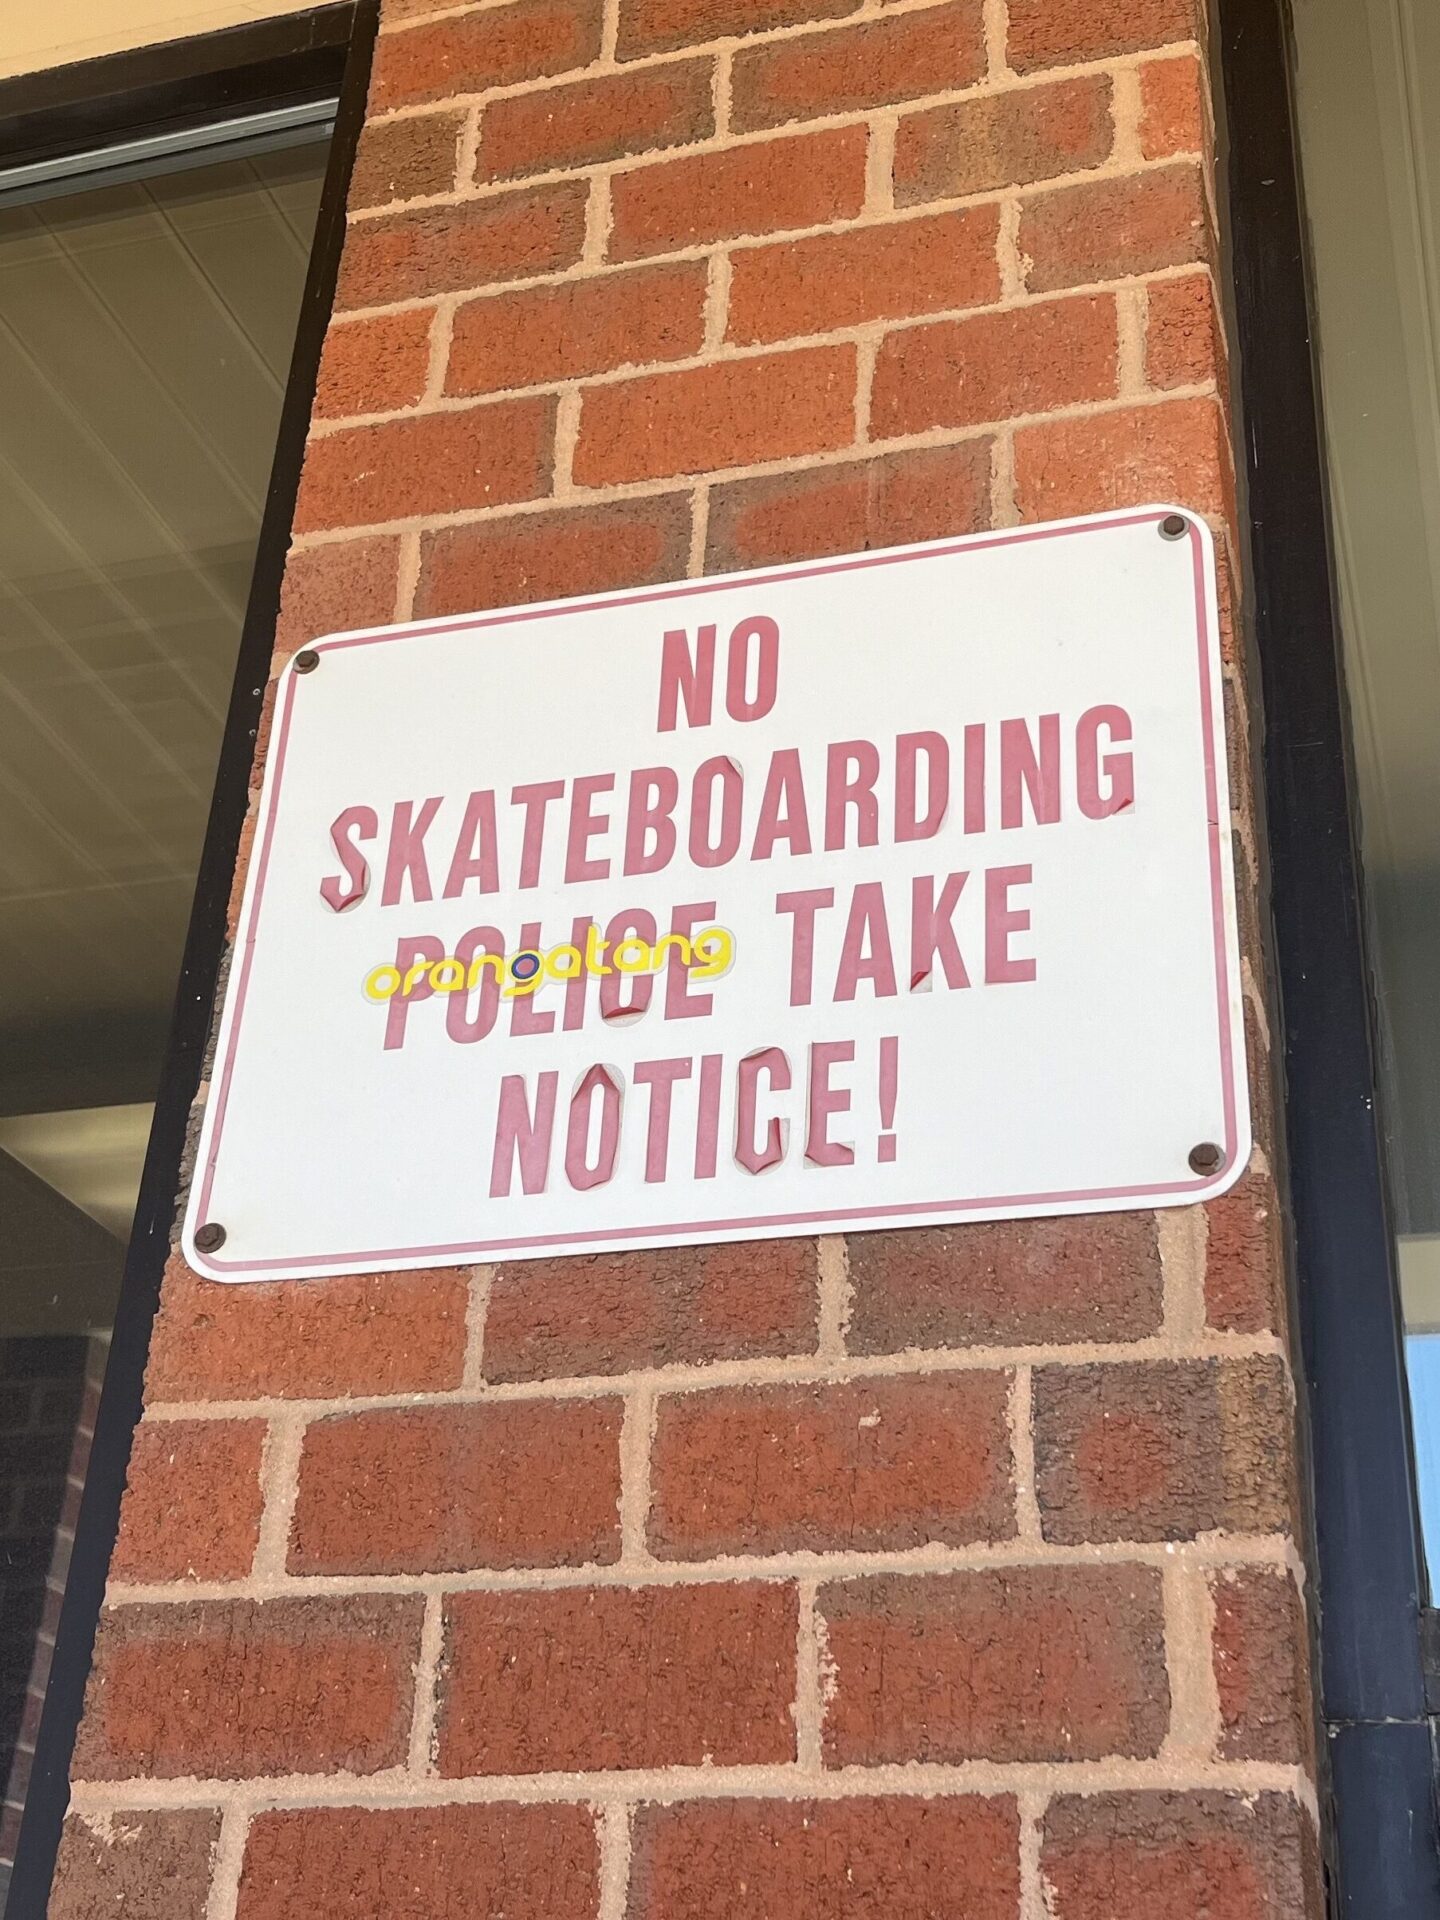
1173, 527
306, 660
210, 1238
1206, 1158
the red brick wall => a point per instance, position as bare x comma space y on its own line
924, 1571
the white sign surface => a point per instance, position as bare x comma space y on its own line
873, 892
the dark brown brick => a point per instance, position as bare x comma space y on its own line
1262, 1666
847, 69
1245, 1258
1001, 140
345, 583
1105, 229
139, 1866
504, 236
659, 26
406, 159
585, 1679
1089, 1277
548, 556
1058, 33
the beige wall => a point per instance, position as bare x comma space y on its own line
59, 31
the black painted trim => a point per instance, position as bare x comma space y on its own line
120, 1403
1383, 1842
177, 85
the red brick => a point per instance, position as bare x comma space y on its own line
848, 69
990, 366
345, 583
541, 334
871, 273
864, 1467
600, 119
1026, 1663
1090, 1277
435, 463
1183, 343
1262, 1668
724, 415
504, 236
375, 365
659, 26
142, 1866
421, 1863
362, 1333
496, 47
547, 556
1002, 140
922, 494
447, 1489
865, 1859
1104, 229
609, 1313
596, 1678
229, 1689
1162, 1450
1176, 452
406, 159
192, 1501
1057, 33
1172, 108
1226, 1856
764, 187
1245, 1258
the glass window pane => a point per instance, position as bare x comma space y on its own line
145, 339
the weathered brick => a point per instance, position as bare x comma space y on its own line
597, 1678
361, 1333
504, 236
1245, 1258
441, 1489
406, 159
1162, 1450
763, 187
1262, 1670
868, 1859
923, 494
848, 69
861, 1467
497, 47
547, 556
229, 1689
1104, 229
1057, 33
1089, 1277
192, 1501
1022, 1663
1183, 342
485, 456
374, 365
1227, 1855
600, 119
659, 26
539, 334
1125, 458
345, 583
421, 1863
610, 1312
1172, 108
1003, 139
142, 1866
728, 414
887, 272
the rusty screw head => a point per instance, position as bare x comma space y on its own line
210, 1238
307, 660
1174, 527
1207, 1157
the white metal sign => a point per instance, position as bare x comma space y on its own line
879, 891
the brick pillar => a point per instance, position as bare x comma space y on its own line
913, 1573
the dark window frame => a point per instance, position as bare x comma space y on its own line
1374, 1631
182, 86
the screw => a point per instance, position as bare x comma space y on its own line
1174, 527
1206, 1158
210, 1238
307, 661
